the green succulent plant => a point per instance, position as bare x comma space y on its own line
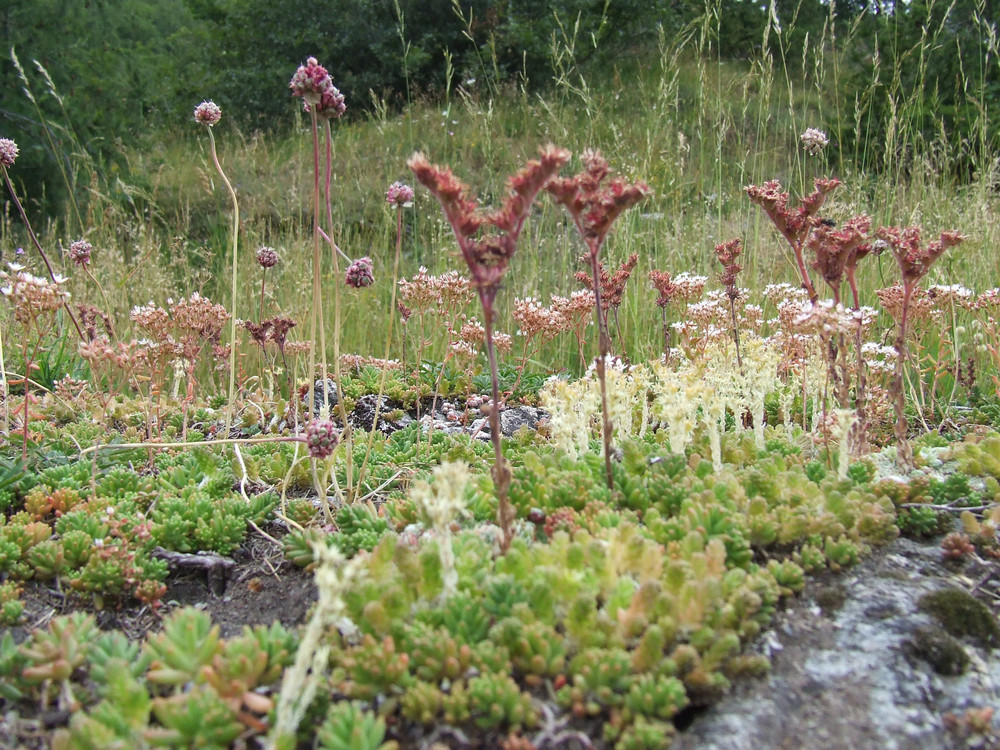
187, 643
349, 727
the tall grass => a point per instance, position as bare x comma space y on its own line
695, 126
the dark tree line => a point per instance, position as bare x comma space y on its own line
124, 66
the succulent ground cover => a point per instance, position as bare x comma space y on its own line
592, 582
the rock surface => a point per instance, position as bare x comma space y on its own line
851, 667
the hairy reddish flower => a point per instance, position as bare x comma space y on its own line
80, 251
267, 257
89, 317
207, 113
258, 331
793, 224
404, 311
399, 195
488, 255
838, 250
664, 287
360, 273
322, 438
612, 284
727, 253
593, 206
914, 260
8, 152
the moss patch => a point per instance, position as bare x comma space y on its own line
962, 616
943, 653
830, 598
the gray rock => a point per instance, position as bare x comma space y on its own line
363, 416
848, 677
331, 389
511, 420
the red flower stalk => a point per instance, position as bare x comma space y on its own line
914, 262
488, 255
727, 253
838, 251
612, 288
594, 206
794, 224
667, 290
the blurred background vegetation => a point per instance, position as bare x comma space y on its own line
697, 97
103, 72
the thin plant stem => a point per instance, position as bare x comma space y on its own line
317, 305
346, 436
388, 343
501, 468
603, 348
6, 390
263, 280
232, 309
904, 454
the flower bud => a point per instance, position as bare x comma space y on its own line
321, 438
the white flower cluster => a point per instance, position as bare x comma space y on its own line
439, 504
334, 576
681, 395
814, 141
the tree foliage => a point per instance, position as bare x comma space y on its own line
111, 68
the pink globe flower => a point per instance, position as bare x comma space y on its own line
8, 152
321, 438
207, 113
311, 81
399, 195
80, 251
331, 104
360, 273
267, 257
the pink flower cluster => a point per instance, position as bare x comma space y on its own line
399, 195
322, 438
8, 152
80, 251
315, 85
207, 113
360, 273
267, 257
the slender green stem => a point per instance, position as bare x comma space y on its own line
501, 468
232, 309
346, 437
198, 444
317, 305
388, 342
